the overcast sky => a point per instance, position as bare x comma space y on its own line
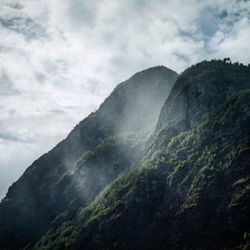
61, 58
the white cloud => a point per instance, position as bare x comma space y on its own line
62, 58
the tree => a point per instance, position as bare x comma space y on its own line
227, 60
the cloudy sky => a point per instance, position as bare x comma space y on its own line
61, 58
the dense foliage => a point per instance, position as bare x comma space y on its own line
194, 193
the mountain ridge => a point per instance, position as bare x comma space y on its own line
151, 205
50, 185
209, 83
183, 185
121, 217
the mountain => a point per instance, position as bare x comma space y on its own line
190, 188
200, 90
162, 164
95, 152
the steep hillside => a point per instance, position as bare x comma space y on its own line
190, 188
93, 154
194, 193
200, 90
187, 186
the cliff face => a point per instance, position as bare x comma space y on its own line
190, 187
199, 91
93, 154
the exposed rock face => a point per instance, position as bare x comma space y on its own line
199, 91
93, 154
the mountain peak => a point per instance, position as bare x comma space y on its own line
157, 68
93, 154
151, 72
199, 90
160, 183
138, 97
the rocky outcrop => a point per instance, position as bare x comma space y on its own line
200, 91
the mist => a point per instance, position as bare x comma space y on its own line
60, 60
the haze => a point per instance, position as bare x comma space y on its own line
60, 59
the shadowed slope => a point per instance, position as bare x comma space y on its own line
192, 194
57, 181
189, 190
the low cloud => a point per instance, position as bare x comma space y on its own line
9, 137
25, 26
6, 86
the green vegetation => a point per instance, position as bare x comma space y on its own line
186, 187
94, 153
190, 177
